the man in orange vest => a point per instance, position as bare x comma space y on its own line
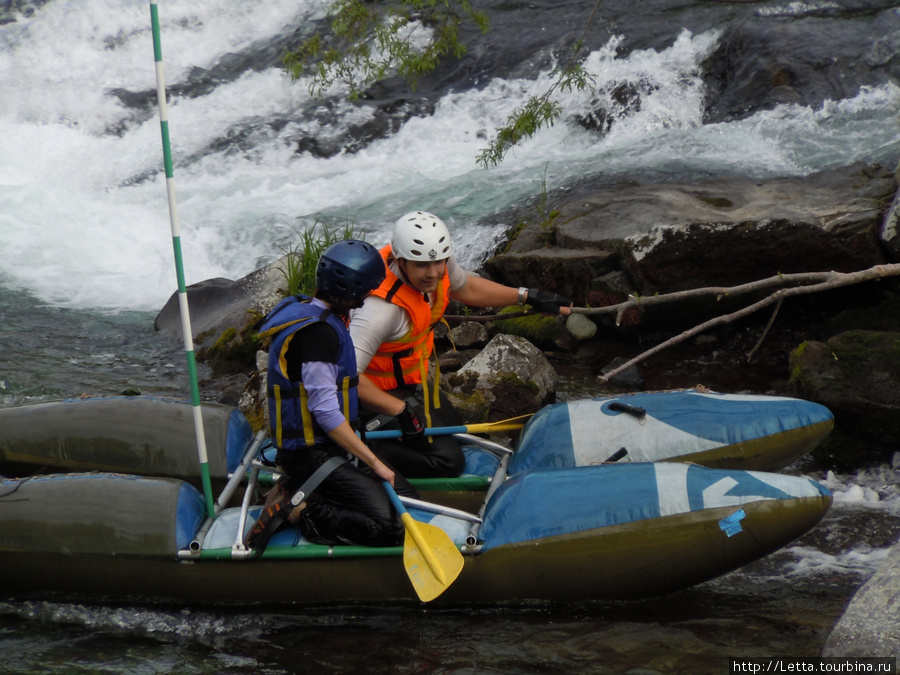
394, 339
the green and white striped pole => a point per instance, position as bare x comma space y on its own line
179, 266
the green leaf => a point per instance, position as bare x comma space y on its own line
369, 42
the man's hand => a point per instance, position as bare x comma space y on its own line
411, 425
543, 301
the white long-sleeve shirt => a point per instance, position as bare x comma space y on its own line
379, 321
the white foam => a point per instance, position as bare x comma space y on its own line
875, 487
861, 560
857, 496
79, 228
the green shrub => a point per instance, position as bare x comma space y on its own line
300, 260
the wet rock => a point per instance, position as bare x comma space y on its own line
629, 379
870, 625
220, 307
562, 269
668, 237
385, 117
509, 377
581, 327
469, 334
224, 314
544, 331
724, 232
856, 375
757, 66
615, 101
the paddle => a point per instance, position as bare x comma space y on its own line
483, 428
432, 560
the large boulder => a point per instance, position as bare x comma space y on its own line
724, 231
757, 66
224, 314
856, 375
508, 378
870, 626
787, 225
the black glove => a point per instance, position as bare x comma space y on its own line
411, 425
546, 302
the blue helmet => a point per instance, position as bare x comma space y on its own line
350, 270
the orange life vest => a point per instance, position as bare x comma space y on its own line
405, 361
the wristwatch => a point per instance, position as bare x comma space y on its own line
523, 295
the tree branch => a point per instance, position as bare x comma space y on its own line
719, 292
823, 281
765, 332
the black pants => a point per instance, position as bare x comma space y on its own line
439, 457
350, 506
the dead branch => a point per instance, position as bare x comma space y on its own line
765, 332
813, 279
825, 281
718, 292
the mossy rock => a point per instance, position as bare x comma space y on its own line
232, 351
856, 375
473, 404
543, 331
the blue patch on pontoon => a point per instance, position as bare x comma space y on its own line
731, 525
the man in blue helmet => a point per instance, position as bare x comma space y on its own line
312, 404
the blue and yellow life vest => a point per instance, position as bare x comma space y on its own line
291, 423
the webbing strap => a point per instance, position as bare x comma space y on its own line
316, 479
396, 287
398, 366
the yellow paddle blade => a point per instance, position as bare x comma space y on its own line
431, 558
511, 424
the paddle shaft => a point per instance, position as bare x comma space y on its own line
485, 428
439, 509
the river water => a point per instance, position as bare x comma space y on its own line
86, 263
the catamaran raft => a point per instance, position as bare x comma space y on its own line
555, 519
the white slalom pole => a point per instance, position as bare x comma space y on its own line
179, 266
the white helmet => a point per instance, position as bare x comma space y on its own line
421, 236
